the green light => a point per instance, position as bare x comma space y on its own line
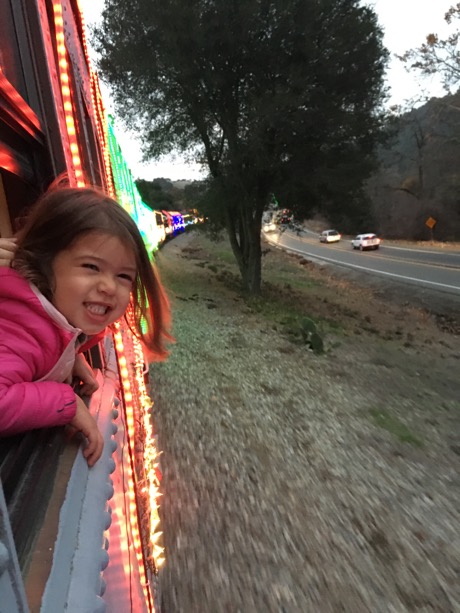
128, 194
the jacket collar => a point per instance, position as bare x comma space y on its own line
55, 315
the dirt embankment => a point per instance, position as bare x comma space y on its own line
296, 482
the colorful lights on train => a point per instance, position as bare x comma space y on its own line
128, 195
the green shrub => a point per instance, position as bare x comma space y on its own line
311, 335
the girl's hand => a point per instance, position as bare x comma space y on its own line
7, 249
85, 423
83, 372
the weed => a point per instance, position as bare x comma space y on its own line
231, 280
311, 335
334, 325
226, 255
396, 427
289, 277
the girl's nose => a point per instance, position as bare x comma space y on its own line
107, 285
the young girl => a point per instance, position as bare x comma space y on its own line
79, 265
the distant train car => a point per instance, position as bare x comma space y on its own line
178, 222
151, 226
168, 224
161, 229
190, 219
175, 223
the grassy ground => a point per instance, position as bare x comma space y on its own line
297, 480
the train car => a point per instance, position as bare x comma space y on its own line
174, 223
190, 218
72, 539
160, 224
150, 225
168, 224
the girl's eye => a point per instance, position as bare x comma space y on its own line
126, 277
90, 266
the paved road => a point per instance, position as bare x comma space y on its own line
428, 267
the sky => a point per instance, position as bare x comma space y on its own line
405, 23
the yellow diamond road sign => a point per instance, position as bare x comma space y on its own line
430, 222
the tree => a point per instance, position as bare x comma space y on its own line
439, 56
273, 96
156, 194
418, 173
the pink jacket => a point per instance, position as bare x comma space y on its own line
37, 351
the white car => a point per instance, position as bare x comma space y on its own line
366, 241
330, 236
270, 226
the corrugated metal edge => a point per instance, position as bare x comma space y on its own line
75, 583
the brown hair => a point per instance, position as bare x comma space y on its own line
60, 217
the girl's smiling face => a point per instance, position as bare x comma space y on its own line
93, 280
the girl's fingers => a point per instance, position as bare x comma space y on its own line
93, 449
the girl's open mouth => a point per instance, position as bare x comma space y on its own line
97, 309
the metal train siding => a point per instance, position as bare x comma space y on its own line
73, 538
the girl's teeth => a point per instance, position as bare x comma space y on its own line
97, 309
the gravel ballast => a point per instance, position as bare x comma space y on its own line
284, 488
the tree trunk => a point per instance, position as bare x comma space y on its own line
245, 243
252, 274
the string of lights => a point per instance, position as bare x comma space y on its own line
144, 478
141, 475
66, 93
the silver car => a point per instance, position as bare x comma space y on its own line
330, 236
365, 241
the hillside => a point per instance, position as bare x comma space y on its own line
419, 174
